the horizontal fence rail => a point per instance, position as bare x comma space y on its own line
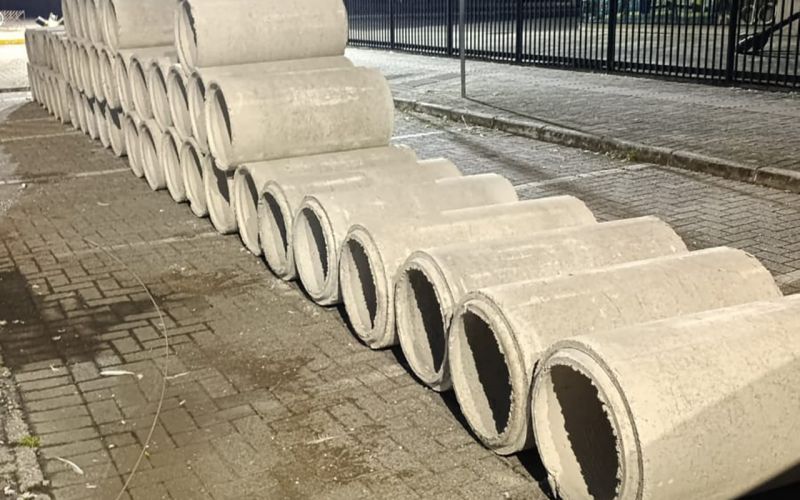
715, 41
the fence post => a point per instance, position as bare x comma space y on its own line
611, 52
450, 28
520, 18
391, 25
733, 32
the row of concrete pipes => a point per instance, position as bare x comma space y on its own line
637, 368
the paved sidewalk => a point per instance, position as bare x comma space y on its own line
267, 395
715, 128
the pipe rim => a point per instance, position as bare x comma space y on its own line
111, 25
140, 90
548, 421
424, 349
157, 90
365, 288
197, 103
179, 102
123, 83
91, 120
94, 73
150, 158
276, 231
170, 163
102, 124
219, 199
479, 316
110, 85
245, 204
115, 131
313, 233
192, 167
131, 132
218, 125
186, 36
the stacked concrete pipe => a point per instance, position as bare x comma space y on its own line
171, 165
498, 334
141, 62
178, 98
129, 24
150, 135
374, 251
701, 406
256, 209
322, 220
193, 164
433, 280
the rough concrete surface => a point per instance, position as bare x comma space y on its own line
267, 395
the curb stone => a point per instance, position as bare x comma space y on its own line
777, 178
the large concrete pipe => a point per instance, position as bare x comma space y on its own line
222, 32
171, 164
157, 86
139, 23
282, 198
193, 164
80, 111
74, 59
218, 187
432, 281
284, 115
130, 128
85, 70
67, 10
116, 132
202, 78
121, 74
109, 79
94, 21
322, 220
150, 142
269, 217
91, 120
138, 71
700, 406
373, 252
99, 108
95, 76
178, 98
498, 334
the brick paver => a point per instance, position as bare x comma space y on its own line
268, 395
750, 127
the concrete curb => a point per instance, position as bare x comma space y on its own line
773, 177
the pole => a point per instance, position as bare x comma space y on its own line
462, 33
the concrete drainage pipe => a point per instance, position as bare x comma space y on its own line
498, 334
432, 281
622, 414
116, 132
99, 108
178, 98
157, 86
138, 71
193, 164
250, 180
130, 128
284, 115
85, 71
138, 23
213, 33
93, 22
171, 164
282, 198
122, 63
322, 221
95, 78
373, 252
150, 142
218, 186
109, 79
80, 111
91, 120
202, 78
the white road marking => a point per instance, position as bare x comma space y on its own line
79, 175
414, 136
588, 175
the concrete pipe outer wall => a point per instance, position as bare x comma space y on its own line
250, 180
116, 132
157, 86
283, 115
138, 23
150, 143
130, 128
282, 199
171, 143
138, 71
218, 187
433, 280
102, 125
201, 79
178, 98
193, 165
374, 252
620, 414
215, 33
498, 334
322, 220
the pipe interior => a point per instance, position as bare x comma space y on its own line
172, 168
247, 208
274, 232
421, 316
187, 37
359, 286
160, 102
487, 398
311, 250
192, 169
123, 82
220, 124
110, 24
197, 92
581, 432
178, 103
149, 152
218, 193
141, 94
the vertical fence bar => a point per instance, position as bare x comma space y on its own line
612, 35
733, 28
391, 25
519, 18
450, 41
463, 46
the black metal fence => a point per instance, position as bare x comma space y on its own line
721, 41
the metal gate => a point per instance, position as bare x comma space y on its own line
715, 41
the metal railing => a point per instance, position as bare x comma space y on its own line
717, 41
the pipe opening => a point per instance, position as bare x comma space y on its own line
172, 168
218, 199
192, 168
421, 316
141, 93
158, 97
187, 36
110, 24
132, 144
311, 251
274, 234
488, 398
219, 126
123, 83
197, 99
150, 158
582, 432
179, 103
360, 286
247, 212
